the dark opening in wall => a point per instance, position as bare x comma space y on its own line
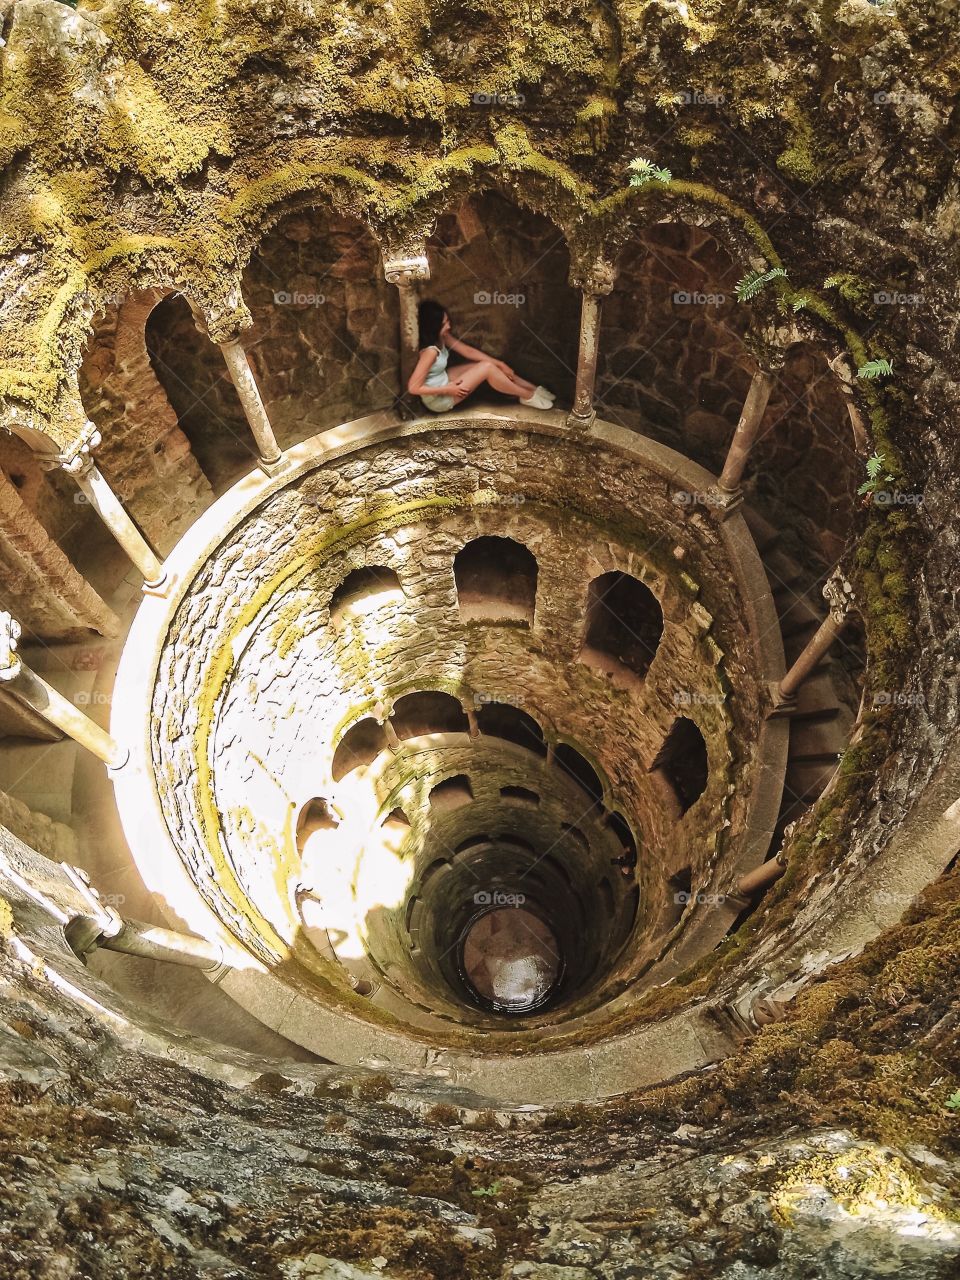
580, 769
620, 828
496, 581
624, 624
397, 819
452, 793
365, 589
316, 815
360, 745
416, 714
520, 795
500, 720
682, 760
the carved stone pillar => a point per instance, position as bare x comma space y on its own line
78, 462
406, 266
241, 375
595, 283
224, 330
727, 493
50, 704
839, 595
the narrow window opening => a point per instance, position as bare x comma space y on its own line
496, 581
623, 627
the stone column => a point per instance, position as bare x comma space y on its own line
241, 375
52, 706
595, 283
727, 493
406, 266
79, 463
223, 327
839, 596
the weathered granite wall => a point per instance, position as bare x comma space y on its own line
268, 719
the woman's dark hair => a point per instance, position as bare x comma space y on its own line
430, 316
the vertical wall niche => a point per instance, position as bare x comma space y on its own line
496, 581
682, 761
624, 623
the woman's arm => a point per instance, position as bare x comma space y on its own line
474, 353
416, 385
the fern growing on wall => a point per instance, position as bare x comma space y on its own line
754, 281
875, 369
644, 171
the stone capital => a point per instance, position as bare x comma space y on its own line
77, 458
222, 319
10, 663
596, 276
839, 595
407, 264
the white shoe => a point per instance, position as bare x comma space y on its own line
538, 401
548, 395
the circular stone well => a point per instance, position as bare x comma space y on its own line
410, 638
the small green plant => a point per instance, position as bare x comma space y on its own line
492, 1190
875, 474
875, 369
644, 171
754, 281
953, 1102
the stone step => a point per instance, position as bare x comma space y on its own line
764, 534
817, 739
806, 780
816, 697
799, 615
782, 570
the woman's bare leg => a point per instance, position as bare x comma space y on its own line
479, 371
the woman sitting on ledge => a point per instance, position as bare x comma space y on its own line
439, 393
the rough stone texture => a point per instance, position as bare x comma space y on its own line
269, 755
144, 455
323, 345
131, 1150
54, 839
47, 594
152, 146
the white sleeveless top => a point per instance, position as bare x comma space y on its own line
437, 374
